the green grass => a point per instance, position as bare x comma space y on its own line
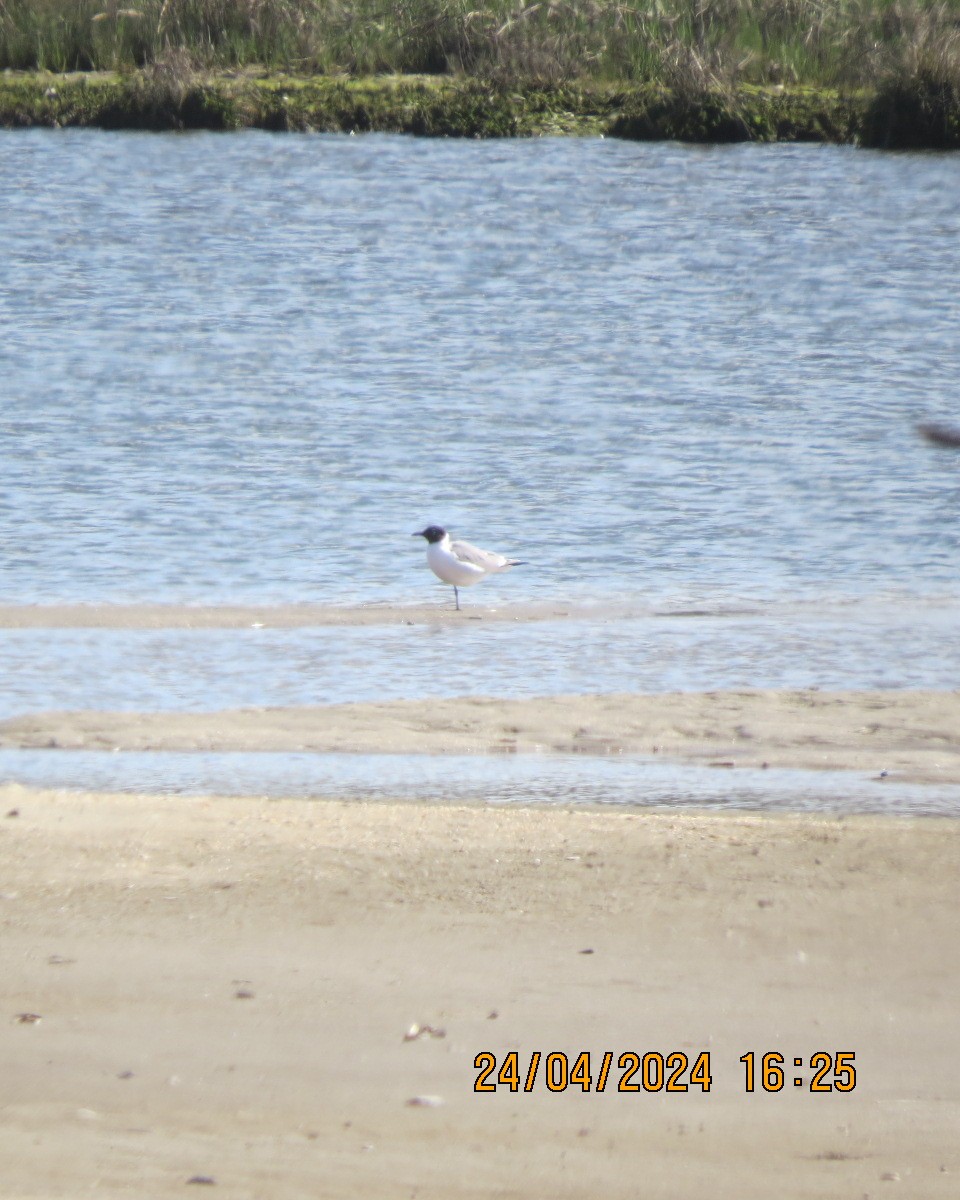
438, 106
848, 43
903, 55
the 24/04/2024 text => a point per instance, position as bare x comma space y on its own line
654, 1071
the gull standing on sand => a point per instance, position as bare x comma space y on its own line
460, 563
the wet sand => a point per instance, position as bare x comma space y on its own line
225, 986
913, 736
282, 616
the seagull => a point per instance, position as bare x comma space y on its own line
460, 563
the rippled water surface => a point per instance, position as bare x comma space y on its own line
246, 367
851, 646
554, 779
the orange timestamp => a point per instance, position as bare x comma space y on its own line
651, 1071
830, 1072
655, 1071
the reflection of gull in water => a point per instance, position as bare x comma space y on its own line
460, 563
940, 433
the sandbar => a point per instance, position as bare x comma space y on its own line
899, 735
284, 616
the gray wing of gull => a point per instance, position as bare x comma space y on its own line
486, 560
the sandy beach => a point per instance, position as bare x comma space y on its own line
225, 991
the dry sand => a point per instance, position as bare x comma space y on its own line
225, 985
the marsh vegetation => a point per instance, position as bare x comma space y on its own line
904, 54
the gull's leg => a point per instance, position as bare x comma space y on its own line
456, 596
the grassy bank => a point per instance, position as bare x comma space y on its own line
428, 106
884, 72
445, 107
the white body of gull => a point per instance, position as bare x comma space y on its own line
459, 563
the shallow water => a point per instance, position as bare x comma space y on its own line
244, 368
881, 645
554, 779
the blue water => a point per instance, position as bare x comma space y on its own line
555, 779
244, 368
247, 367
801, 646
